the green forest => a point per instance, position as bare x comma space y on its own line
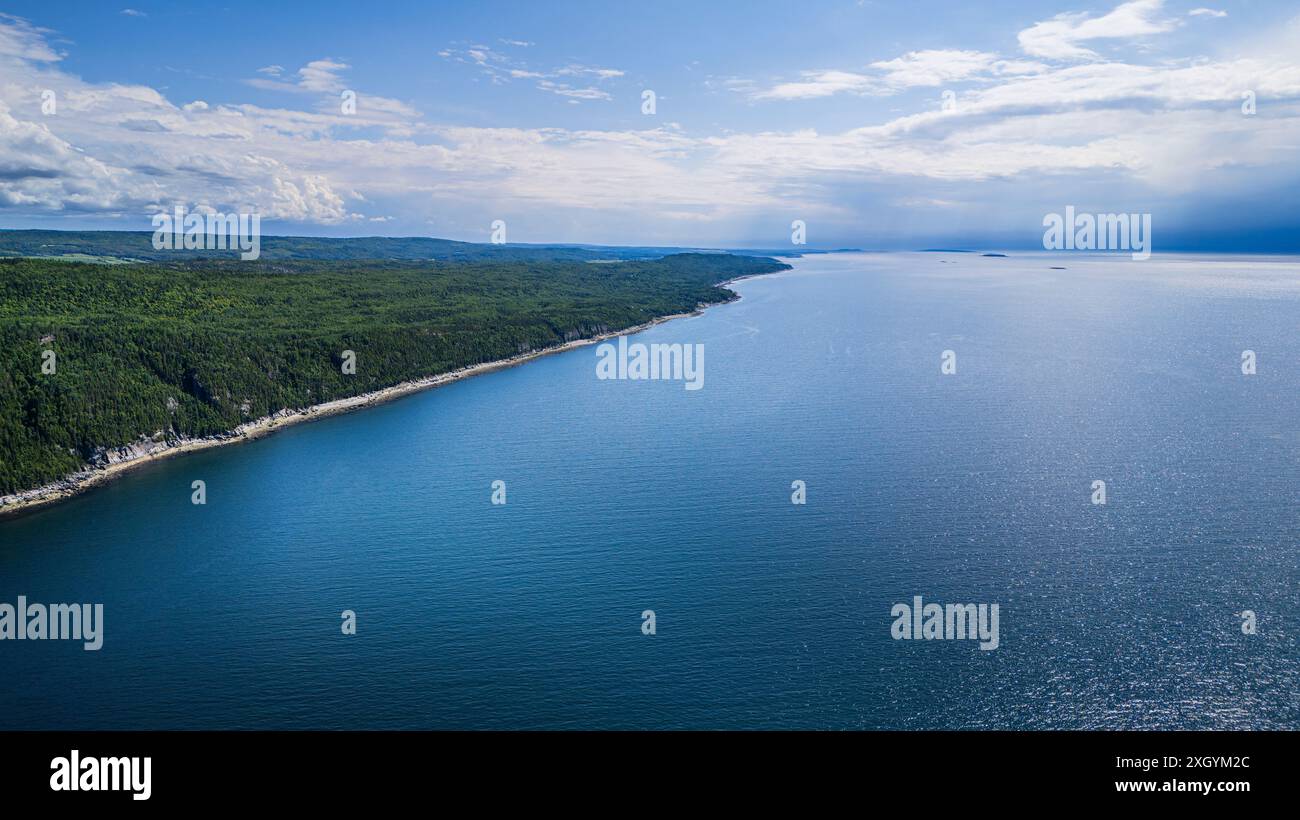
137, 246
197, 347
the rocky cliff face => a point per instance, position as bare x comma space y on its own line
144, 446
585, 331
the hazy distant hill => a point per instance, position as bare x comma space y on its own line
138, 246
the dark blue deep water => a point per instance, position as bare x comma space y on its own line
627, 496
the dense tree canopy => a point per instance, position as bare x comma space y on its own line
138, 246
197, 347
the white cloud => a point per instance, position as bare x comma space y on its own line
914, 69
589, 71
502, 69
21, 40
118, 149
934, 67
820, 84
1207, 13
317, 76
322, 75
1060, 37
565, 90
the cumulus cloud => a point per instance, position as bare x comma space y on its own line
122, 150
1166, 129
1058, 39
41, 172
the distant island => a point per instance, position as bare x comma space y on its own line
150, 353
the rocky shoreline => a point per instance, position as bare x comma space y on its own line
110, 462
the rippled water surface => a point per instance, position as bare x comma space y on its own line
627, 496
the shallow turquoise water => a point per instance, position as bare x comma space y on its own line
627, 496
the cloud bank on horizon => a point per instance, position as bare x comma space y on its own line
972, 128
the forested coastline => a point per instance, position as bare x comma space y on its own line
198, 347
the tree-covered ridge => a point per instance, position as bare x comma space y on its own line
197, 348
137, 246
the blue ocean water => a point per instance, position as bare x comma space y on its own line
624, 496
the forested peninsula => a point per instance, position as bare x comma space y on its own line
98, 356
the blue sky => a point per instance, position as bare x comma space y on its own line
830, 112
